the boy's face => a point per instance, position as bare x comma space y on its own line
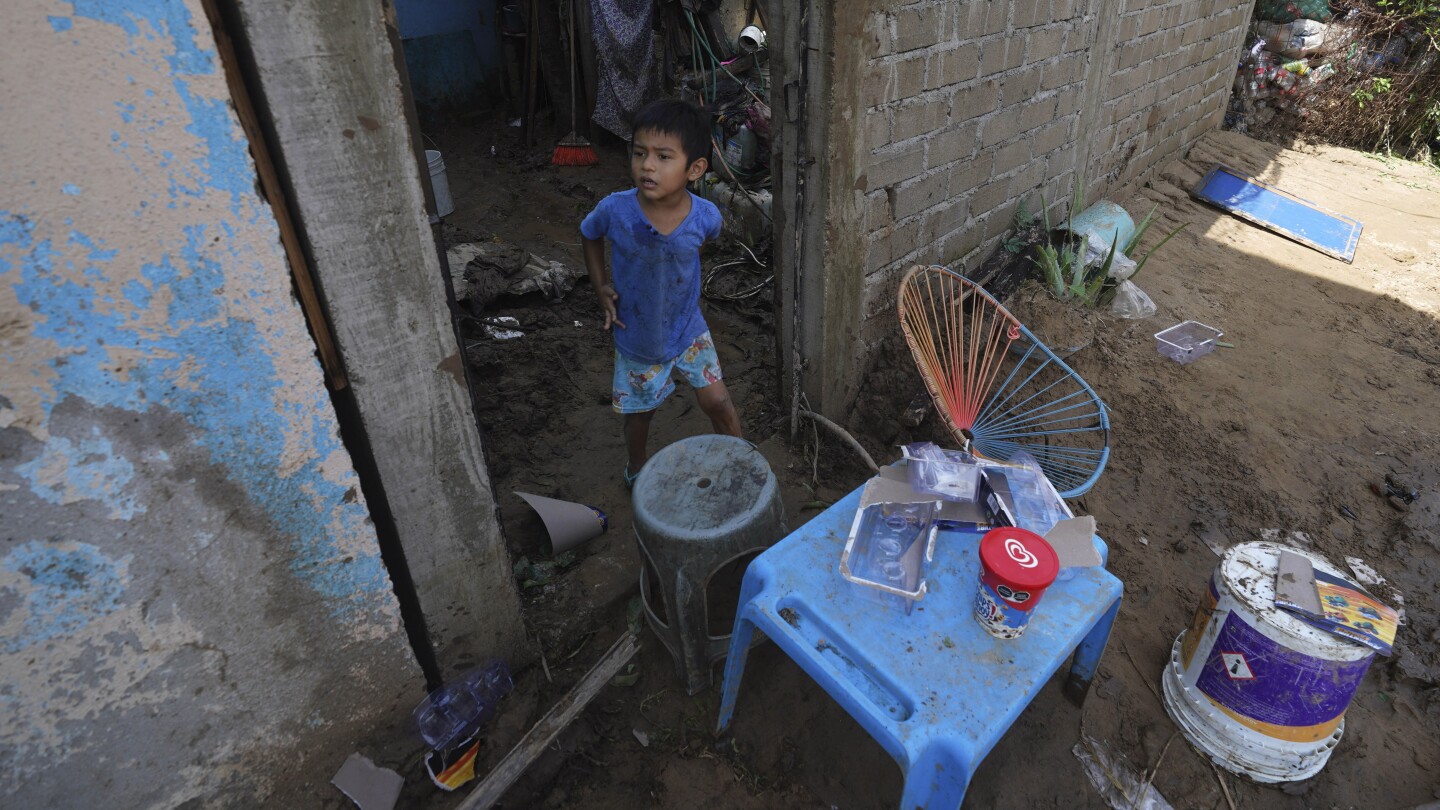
659, 166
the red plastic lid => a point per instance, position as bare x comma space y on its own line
1019, 557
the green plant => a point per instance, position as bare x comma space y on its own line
1365, 95
1066, 273
1024, 220
1070, 278
1134, 243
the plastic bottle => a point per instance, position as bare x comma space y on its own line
457, 710
740, 149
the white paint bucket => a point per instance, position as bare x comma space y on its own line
1259, 691
444, 206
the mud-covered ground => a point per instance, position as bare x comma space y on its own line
1332, 383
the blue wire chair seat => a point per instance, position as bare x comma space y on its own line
999, 389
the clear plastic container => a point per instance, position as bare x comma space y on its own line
1027, 494
889, 549
1187, 341
457, 710
949, 474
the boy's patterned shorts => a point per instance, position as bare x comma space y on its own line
641, 387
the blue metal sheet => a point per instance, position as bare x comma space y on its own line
1275, 210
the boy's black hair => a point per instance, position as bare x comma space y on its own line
671, 116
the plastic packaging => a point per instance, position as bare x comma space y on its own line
1187, 341
889, 547
1115, 779
1131, 302
1033, 502
949, 474
1121, 266
740, 149
457, 710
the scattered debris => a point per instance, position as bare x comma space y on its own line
643, 738
630, 677
1115, 779
1363, 572
484, 271
544, 732
368, 785
917, 410
539, 574
1299, 540
499, 328
568, 523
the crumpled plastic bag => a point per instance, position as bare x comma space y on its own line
1294, 39
1115, 779
1098, 247
1131, 302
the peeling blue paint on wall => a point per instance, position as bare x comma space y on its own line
67, 471
71, 584
192, 351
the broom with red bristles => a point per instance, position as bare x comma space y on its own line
573, 149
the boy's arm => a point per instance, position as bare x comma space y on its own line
604, 290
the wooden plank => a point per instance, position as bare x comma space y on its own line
280, 207
544, 732
333, 90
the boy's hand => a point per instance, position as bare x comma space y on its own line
608, 297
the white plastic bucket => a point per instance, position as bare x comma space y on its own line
444, 206
1259, 691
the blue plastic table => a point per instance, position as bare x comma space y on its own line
933, 688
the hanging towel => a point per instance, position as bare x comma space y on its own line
625, 55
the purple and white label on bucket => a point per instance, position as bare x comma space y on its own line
1250, 674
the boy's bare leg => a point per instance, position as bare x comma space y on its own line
637, 432
715, 401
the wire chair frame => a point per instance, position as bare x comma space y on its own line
998, 389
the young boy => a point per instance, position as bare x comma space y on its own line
655, 231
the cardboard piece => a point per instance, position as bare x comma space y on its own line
892, 485
1295, 583
367, 784
568, 523
1073, 541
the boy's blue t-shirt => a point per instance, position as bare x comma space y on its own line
657, 276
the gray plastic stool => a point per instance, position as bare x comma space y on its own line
699, 504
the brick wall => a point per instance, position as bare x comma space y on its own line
966, 108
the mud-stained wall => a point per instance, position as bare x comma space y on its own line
192, 600
942, 115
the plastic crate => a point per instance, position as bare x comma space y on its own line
1187, 341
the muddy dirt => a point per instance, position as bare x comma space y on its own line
1331, 384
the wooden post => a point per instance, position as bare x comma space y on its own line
332, 87
280, 207
544, 732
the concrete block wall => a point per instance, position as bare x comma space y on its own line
1167, 79
966, 108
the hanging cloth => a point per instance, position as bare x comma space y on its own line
625, 57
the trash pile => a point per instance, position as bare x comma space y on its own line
1298, 47
730, 76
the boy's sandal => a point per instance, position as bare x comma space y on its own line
630, 478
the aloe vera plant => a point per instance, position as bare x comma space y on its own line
1069, 277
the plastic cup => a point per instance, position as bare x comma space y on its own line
1016, 566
